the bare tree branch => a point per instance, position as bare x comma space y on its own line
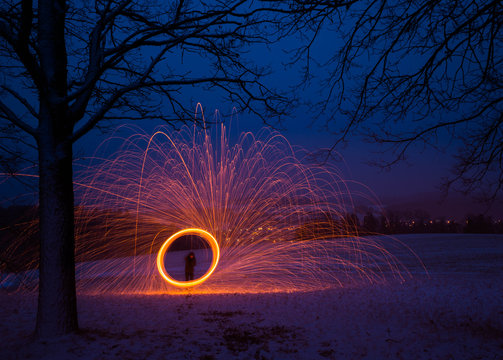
411, 73
20, 43
11, 116
22, 100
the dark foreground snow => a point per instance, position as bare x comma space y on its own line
456, 313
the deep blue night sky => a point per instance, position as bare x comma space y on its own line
411, 184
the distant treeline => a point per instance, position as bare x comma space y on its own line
395, 222
99, 234
104, 233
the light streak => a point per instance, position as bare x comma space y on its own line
277, 221
185, 284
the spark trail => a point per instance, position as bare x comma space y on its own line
280, 221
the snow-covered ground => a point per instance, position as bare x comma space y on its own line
455, 313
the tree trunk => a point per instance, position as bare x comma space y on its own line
57, 301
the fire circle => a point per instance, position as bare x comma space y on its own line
210, 239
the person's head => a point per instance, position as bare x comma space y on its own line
191, 254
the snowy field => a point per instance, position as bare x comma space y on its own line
454, 313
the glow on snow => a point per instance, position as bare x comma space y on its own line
275, 222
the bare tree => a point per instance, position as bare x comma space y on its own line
408, 73
68, 67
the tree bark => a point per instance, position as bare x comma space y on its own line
57, 301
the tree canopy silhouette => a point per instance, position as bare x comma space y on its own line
70, 66
408, 73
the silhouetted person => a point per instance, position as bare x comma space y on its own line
190, 262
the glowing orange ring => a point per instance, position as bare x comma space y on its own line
214, 248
